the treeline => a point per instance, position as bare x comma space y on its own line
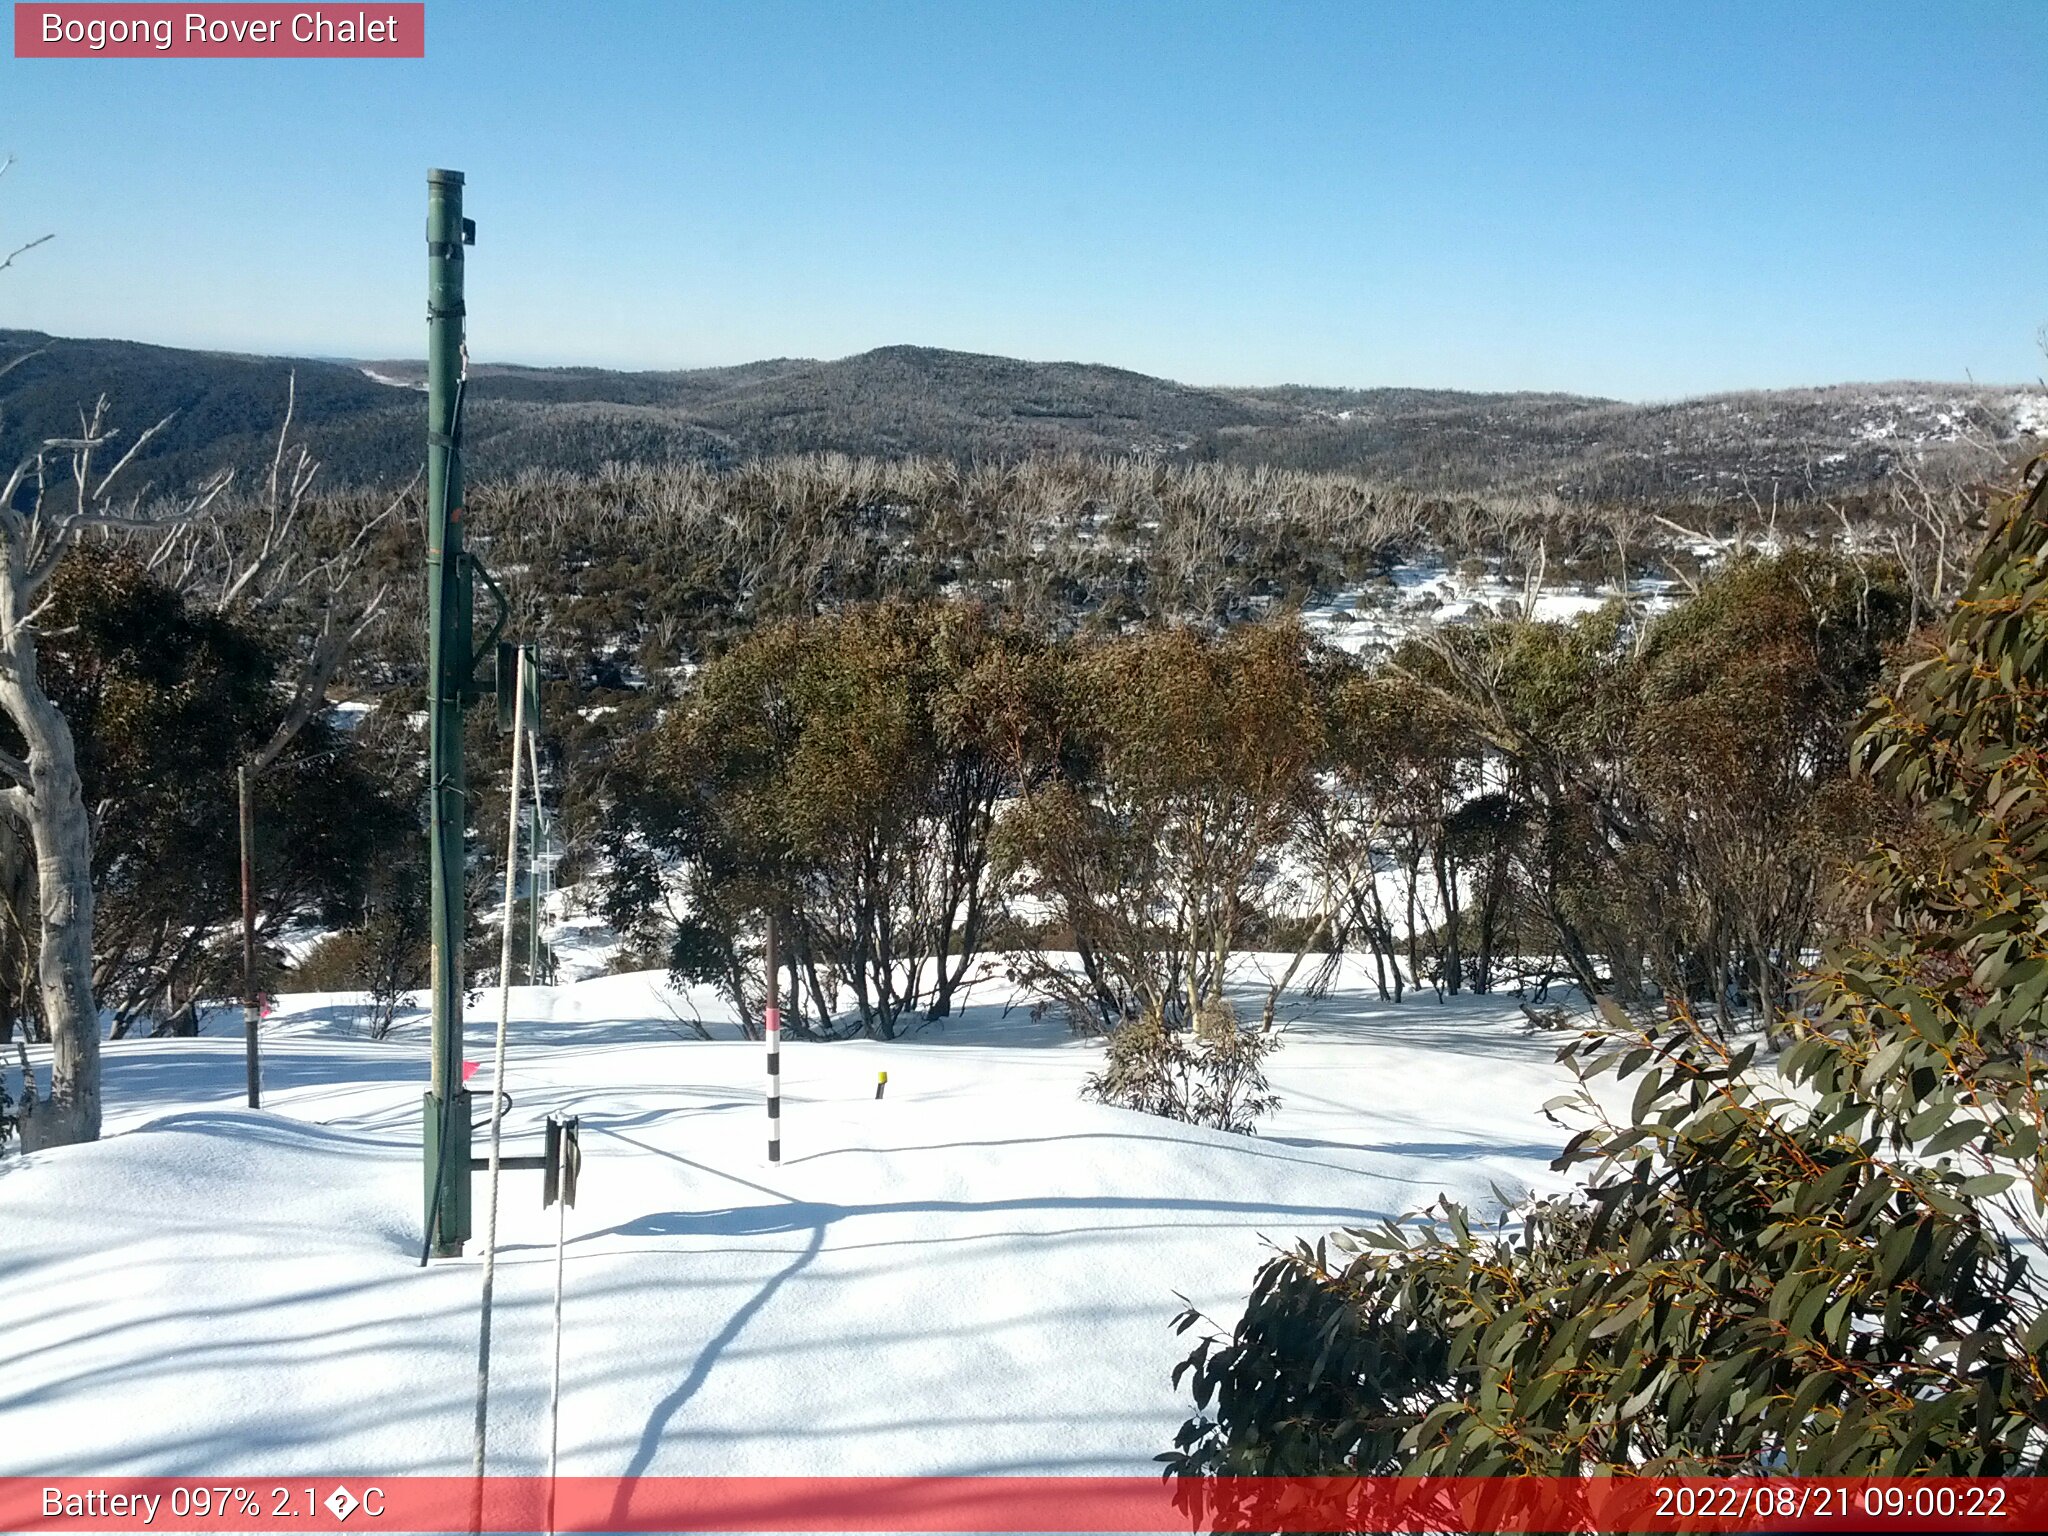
637, 579
638, 570
1469, 775
1655, 810
635, 575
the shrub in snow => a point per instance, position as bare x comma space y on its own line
1212, 1075
1745, 1281
1160, 831
386, 959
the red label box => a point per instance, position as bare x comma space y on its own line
370, 30
1614, 1506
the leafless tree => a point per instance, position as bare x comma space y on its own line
257, 558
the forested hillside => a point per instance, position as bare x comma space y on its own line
363, 421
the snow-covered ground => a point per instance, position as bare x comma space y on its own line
976, 1274
1371, 619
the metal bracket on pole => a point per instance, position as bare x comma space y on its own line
516, 672
563, 1160
492, 642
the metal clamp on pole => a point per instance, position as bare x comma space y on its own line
563, 1160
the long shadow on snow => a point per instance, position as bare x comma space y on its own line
178, 1073
752, 1220
791, 1215
1251, 1147
700, 1370
1458, 1149
797, 1215
246, 1125
816, 1215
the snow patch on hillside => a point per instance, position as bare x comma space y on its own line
1370, 619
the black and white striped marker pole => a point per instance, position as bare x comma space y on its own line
771, 1019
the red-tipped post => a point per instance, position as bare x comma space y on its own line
771, 1021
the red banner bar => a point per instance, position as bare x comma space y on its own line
1013, 1504
244, 31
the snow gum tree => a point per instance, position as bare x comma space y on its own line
1413, 831
54, 497
1681, 801
843, 775
163, 697
1158, 847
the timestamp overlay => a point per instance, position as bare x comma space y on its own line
1016, 1504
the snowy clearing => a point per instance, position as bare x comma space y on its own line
975, 1275
1420, 596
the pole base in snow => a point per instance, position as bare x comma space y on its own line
452, 1170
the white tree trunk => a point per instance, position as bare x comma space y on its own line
54, 809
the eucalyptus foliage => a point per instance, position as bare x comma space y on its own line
1810, 1269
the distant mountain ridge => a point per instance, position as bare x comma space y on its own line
363, 420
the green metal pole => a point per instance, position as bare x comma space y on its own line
449, 665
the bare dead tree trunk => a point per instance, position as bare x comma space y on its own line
17, 915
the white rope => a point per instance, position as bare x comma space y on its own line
483, 1343
555, 1386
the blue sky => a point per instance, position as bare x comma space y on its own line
1641, 200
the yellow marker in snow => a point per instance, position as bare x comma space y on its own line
881, 1082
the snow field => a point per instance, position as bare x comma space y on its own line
977, 1274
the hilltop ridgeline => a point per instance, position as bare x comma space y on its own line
363, 420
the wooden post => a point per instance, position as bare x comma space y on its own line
771, 1019
252, 1014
